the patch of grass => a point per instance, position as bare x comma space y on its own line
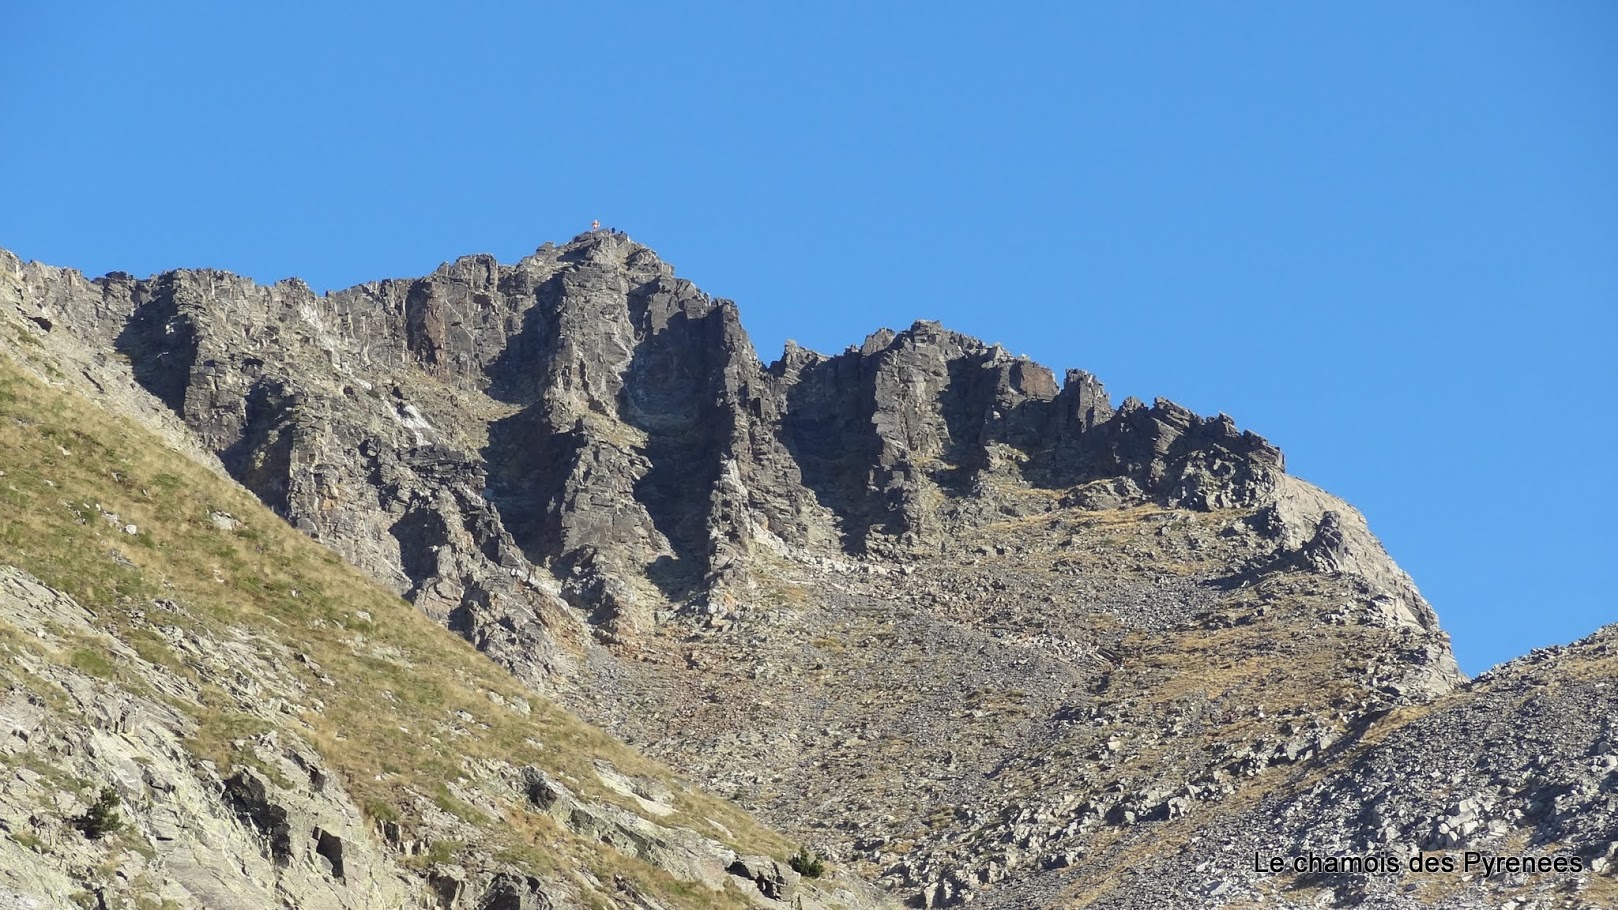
457, 807
23, 336
94, 662
53, 773
29, 840
380, 811
155, 650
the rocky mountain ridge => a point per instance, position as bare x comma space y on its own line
585, 406
971, 632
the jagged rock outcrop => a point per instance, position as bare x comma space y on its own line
969, 631
586, 414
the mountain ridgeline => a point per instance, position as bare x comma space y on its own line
973, 634
587, 413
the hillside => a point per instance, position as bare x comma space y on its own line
280, 731
975, 635
1519, 766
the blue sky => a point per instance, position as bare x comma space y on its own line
1384, 235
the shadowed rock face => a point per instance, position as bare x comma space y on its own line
586, 414
918, 603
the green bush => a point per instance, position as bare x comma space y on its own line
103, 818
807, 864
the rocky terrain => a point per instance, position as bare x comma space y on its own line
273, 729
975, 635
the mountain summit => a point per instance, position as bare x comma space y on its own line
971, 633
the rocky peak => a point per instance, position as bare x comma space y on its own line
606, 416
777, 578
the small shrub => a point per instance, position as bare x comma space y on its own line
103, 818
807, 864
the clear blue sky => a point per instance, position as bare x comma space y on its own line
1385, 235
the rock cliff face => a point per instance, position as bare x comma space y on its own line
586, 415
972, 632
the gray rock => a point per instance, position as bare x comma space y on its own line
774, 880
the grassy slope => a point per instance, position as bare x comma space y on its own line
66, 462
